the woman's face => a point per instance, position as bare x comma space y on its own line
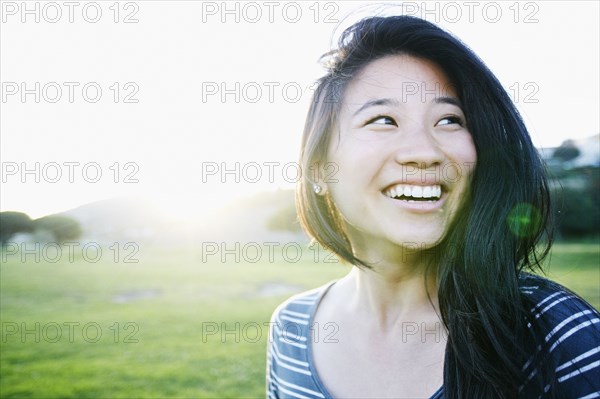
404, 156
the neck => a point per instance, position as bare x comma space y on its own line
394, 293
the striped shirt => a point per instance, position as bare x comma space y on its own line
569, 325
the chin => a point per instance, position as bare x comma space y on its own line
416, 242
424, 236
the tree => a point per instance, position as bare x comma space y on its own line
567, 151
12, 223
579, 207
62, 227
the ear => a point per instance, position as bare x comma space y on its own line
316, 178
320, 188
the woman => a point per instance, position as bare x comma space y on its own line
438, 201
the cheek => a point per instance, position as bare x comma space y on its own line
355, 163
462, 155
355, 170
470, 150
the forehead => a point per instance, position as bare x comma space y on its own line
401, 77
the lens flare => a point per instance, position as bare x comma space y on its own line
524, 220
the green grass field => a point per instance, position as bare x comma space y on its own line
141, 330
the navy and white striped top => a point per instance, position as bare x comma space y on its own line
571, 329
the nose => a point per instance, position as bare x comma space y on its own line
417, 147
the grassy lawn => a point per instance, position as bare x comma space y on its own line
577, 266
154, 329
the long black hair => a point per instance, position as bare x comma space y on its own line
495, 237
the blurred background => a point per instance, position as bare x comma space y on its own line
148, 156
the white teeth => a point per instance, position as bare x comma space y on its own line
417, 192
433, 191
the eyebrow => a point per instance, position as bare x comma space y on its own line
448, 100
373, 103
391, 101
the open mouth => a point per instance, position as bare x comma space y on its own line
411, 193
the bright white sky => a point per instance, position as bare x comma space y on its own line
546, 53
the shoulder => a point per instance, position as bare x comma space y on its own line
289, 364
560, 313
303, 300
554, 304
567, 335
299, 308
290, 320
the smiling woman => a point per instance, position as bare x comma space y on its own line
438, 203
387, 145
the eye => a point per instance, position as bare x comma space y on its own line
451, 120
381, 120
